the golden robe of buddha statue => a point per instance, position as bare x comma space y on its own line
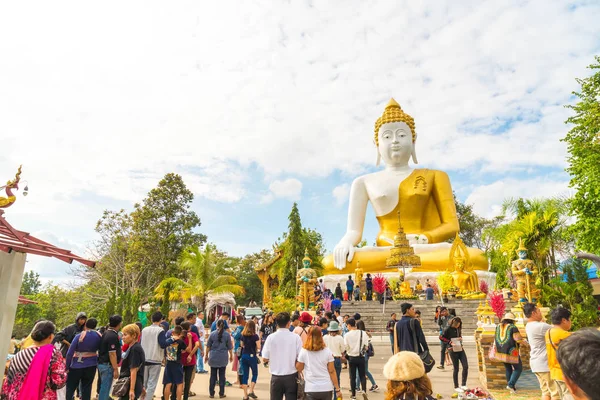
463, 278
423, 197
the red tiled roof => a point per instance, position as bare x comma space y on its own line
25, 300
14, 240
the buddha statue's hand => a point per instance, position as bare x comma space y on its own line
416, 239
342, 253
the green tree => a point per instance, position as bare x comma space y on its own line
294, 253
574, 292
162, 226
31, 283
202, 270
296, 241
583, 144
138, 250
247, 276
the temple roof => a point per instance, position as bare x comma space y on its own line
12, 239
266, 265
25, 300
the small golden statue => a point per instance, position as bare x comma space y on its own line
463, 277
358, 275
405, 288
525, 273
306, 278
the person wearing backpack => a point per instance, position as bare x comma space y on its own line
302, 329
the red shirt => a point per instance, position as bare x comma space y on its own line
185, 355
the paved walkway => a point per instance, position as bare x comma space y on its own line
442, 380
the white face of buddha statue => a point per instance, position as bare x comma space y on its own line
395, 143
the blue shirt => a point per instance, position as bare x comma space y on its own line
429, 293
213, 327
237, 335
349, 285
219, 350
89, 344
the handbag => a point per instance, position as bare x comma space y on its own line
301, 395
363, 349
121, 387
370, 350
426, 357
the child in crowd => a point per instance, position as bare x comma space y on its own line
173, 374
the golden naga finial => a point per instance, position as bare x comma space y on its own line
10, 185
393, 113
459, 251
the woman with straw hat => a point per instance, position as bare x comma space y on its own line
508, 341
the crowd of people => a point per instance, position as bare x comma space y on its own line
564, 368
305, 355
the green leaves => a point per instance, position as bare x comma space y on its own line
583, 143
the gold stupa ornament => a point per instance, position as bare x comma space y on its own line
393, 113
402, 254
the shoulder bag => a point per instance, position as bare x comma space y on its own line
301, 395
121, 387
426, 357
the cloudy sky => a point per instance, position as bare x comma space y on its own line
260, 104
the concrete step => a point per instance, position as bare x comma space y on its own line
376, 318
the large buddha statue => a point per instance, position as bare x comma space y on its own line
423, 197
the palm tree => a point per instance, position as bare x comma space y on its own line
202, 268
540, 223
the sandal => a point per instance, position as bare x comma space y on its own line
191, 394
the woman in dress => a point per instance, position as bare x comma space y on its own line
132, 364
406, 378
508, 341
237, 336
36, 372
315, 361
452, 336
250, 344
361, 325
217, 348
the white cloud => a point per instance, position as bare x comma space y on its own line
289, 189
487, 199
341, 193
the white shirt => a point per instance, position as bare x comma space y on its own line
352, 341
200, 325
335, 344
340, 320
281, 349
316, 374
536, 336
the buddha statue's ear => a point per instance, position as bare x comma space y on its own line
378, 159
414, 153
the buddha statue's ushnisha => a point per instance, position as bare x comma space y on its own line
423, 197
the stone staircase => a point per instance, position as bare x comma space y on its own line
376, 321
